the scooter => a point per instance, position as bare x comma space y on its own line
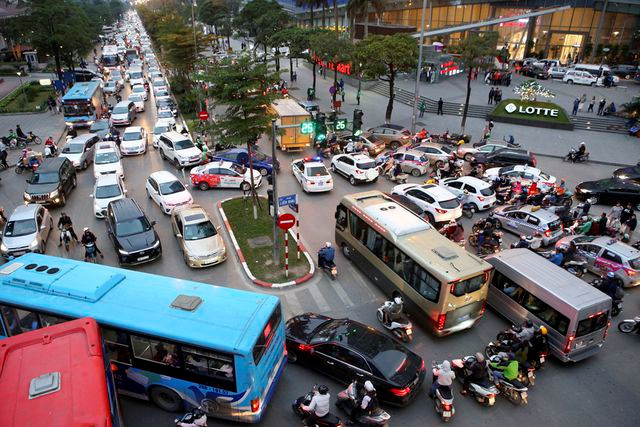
329, 267
400, 326
328, 420
194, 418
347, 400
483, 392
616, 304
443, 399
515, 391
574, 156
576, 267
630, 325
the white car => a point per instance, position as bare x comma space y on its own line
523, 174
312, 174
165, 114
355, 167
167, 191
438, 203
178, 149
108, 188
478, 192
138, 100
162, 126
106, 159
140, 90
156, 79
224, 175
163, 91
134, 141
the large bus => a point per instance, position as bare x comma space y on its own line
110, 57
175, 342
57, 376
528, 286
442, 284
83, 104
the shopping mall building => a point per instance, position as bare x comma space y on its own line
566, 35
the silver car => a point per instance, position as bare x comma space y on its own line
528, 220
79, 150
27, 230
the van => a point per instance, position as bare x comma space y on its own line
526, 286
597, 70
579, 77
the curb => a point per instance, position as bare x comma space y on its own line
245, 267
597, 162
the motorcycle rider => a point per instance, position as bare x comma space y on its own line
318, 407
557, 257
397, 170
479, 373
536, 241
20, 133
51, 145
88, 238
394, 311
326, 255
64, 222
367, 404
453, 231
522, 243
444, 378
12, 137
610, 285
582, 151
506, 368
487, 234
539, 343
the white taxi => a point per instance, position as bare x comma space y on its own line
312, 174
224, 175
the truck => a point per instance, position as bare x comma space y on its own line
290, 113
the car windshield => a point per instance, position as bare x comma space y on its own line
73, 148
165, 114
135, 98
132, 136
449, 204
109, 84
172, 187
122, 109
132, 226
366, 165
486, 191
183, 144
201, 230
44, 178
106, 158
135, 75
99, 125
544, 176
21, 227
138, 89
317, 171
505, 169
161, 129
108, 191
162, 92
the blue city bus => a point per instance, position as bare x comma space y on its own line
175, 342
83, 104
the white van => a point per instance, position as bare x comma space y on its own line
580, 77
595, 70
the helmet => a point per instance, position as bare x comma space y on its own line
466, 192
85, 229
503, 355
611, 275
328, 244
543, 330
397, 300
479, 357
323, 389
368, 386
582, 144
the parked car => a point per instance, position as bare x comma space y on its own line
345, 349
312, 174
534, 71
604, 254
107, 188
439, 203
106, 160
199, 240
609, 191
579, 77
134, 141
240, 156
528, 220
394, 136
557, 72
27, 230
524, 174
504, 157
131, 233
167, 191
79, 150
478, 193
224, 175
124, 113
624, 71
355, 167
178, 149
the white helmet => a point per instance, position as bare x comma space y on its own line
368, 386
328, 244
582, 143
397, 300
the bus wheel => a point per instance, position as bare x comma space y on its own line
166, 399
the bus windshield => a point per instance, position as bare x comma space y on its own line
77, 109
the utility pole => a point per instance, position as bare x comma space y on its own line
419, 71
276, 245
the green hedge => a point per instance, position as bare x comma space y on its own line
36, 95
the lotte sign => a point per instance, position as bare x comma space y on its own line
286, 221
203, 115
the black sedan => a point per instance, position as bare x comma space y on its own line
537, 72
504, 157
631, 173
609, 191
346, 350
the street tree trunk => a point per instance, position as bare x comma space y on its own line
335, 15
314, 76
254, 194
335, 86
392, 94
366, 21
466, 101
311, 14
277, 59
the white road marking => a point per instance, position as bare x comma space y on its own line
337, 287
318, 298
292, 305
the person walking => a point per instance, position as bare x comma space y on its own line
497, 97
492, 93
592, 103
583, 100
342, 94
601, 105
576, 104
422, 107
358, 97
440, 104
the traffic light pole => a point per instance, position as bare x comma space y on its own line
276, 245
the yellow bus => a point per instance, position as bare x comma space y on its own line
443, 286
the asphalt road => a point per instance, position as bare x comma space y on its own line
602, 390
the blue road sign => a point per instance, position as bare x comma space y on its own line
288, 200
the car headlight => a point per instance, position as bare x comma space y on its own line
156, 244
123, 252
584, 190
54, 193
27, 196
3, 247
34, 244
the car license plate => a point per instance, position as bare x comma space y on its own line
446, 414
142, 258
463, 318
492, 400
580, 344
542, 359
524, 394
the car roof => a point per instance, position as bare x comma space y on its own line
82, 139
472, 181
123, 104
106, 146
390, 126
163, 176
24, 212
358, 157
125, 209
542, 214
192, 214
133, 129
163, 122
107, 179
51, 164
437, 192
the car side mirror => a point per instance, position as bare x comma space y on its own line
125, 191
218, 228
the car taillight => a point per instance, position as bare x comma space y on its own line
606, 331
534, 161
630, 272
441, 211
442, 318
255, 405
304, 347
483, 308
114, 367
481, 198
359, 172
567, 349
422, 365
400, 392
547, 232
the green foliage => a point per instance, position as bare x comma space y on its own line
330, 47
36, 99
188, 101
632, 109
260, 19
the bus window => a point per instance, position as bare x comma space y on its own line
358, 227
264, 339
341, 217
505, 285
154, 351
467, 286
592, 324
208, 363
19, 321
117, 345
547, 313
425, 283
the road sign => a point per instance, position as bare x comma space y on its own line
288, 200
286, 221
341, 124
203, 115
306, 127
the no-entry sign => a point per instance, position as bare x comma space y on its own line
286, 221
203, 115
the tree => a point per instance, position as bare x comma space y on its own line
243, 87
478, 51
334, 50
260, 19
297, 39
219, 14
311, 4
357, 7
384, 56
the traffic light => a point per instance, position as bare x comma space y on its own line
306, 127
341, 124
357, 122
320, 127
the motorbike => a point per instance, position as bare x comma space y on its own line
31, 138
616, 304
451, 138
443, 399
514, 390
575, 157
577, 267
503, 196
630, 325
12, 144
330, 268
401, 178
328, 420
484, 392
526, 366
65, 236
347, 400
194, 418
400, 325
91, 252
489, 246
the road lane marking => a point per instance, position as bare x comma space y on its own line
319, 299
342, 294
292, 304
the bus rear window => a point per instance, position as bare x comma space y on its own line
592, 324
467, 286
267, 334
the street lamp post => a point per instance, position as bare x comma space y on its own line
24, 95
419, 71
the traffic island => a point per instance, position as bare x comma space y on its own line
531, 113
253, 242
